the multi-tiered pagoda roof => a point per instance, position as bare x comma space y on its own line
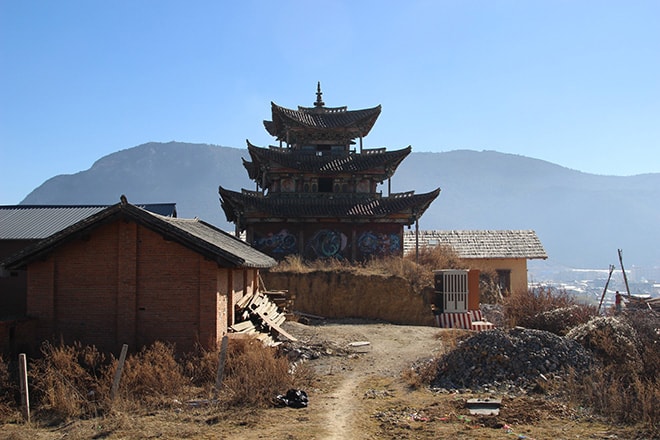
319, 176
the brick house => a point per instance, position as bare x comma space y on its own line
24, 225
126, 275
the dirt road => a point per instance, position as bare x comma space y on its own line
378, 353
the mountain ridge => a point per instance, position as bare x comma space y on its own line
581, 218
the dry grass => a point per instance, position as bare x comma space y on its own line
70, 381
417, 269
8, 390
153, 377
255, 375
545, 308
626, 387
73, 382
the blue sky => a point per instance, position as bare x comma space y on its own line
572, 82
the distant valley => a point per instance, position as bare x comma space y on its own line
582, 219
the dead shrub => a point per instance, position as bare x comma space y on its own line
71, 381
254, 374
153, 376
613, 341
436, 257
489, 288
201, 367
8, 391
421, 373
647, 329
450, 338
417, 269
545, 308
626, 388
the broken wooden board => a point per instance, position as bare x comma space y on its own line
258, 316
276, 327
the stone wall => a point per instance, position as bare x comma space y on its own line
336, 294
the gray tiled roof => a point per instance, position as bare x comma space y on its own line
222, 240
194, 234
355, 122
344, 163
325, 205
482, 243
34, 222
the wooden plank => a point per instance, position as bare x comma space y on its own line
277, 328
25, 393
118, 372
242, 326
243, 302
279, 319
221, 365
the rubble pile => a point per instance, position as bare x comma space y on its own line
297, 350
509, 360
612, 340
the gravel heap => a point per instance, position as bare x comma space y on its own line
509, 360
612, 340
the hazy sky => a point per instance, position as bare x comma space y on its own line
573, 82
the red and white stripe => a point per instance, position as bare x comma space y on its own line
470, 320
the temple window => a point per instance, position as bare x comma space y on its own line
325, 184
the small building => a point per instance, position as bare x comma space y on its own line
127, 275
317, 191
502, 251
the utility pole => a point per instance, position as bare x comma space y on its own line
605, 289
625, 278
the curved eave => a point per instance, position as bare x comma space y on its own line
385, 162
230, 204
358, 123
248, 205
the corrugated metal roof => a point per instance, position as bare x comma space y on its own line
35, 222
197, 235
481, 243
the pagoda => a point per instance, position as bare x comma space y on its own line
317, 192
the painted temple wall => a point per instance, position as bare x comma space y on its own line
327, 240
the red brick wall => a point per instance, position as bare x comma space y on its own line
126, 284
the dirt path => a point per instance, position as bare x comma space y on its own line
340, 411
375, 367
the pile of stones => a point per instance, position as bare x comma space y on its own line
510, 360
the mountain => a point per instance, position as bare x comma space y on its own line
582, 219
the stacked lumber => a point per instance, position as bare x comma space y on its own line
282, 299
643, 302
259, 317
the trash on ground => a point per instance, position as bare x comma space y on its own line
293, 399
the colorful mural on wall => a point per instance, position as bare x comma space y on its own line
373, 243
327, 243
322, 241
278, 244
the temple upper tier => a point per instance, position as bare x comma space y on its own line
320, 127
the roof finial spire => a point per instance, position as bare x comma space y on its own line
319, 102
